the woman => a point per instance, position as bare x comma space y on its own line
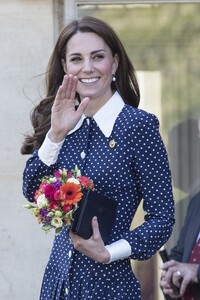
113, 143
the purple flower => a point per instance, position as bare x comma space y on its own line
44, 214
57, 184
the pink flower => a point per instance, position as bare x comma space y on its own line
85, 182
43, 185
54, 205
59, 195
69, 175
67, 208
49, 192
57, 174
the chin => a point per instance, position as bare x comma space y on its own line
89, 94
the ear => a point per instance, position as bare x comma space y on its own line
115, 63
64, 65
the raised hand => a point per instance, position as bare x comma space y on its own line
64, 117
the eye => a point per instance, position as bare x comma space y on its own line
98, 57
75, 59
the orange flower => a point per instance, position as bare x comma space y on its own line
72, 193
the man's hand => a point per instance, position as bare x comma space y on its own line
180, 274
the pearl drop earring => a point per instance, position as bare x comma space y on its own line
113, 78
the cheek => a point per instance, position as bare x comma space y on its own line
107, 69
72, 69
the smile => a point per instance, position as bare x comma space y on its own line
89, 80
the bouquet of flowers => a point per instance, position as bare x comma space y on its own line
57, 198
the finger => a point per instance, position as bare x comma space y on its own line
83, 105
168, 291
69, 86
176, 278
95, 228
72, 86
169, 264
163, 273
66, 91
59, 99
173, 273
184, 285
169, 275
59, 94
165, 284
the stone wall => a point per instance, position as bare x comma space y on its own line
26, 41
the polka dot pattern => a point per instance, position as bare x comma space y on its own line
135, 168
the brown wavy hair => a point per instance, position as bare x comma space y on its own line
126, 82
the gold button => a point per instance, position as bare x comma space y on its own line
112, 144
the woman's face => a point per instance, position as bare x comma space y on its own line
90, 59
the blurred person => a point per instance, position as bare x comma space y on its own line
183, 269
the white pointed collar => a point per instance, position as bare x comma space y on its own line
106, 116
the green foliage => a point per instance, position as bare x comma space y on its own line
162, 37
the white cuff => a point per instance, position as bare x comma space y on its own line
48, 152
119, 250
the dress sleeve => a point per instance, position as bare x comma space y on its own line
48, 152
43, 162
153, 178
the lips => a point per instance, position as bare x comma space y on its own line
89, 80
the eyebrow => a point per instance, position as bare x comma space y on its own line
93, 52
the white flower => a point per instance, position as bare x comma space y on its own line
74, 180
52, 179
57, 222
58, 213
42, 201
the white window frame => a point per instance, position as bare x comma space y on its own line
71, 5
71, 8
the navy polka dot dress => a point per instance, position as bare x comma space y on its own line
132, 167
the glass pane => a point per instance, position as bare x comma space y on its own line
163, 43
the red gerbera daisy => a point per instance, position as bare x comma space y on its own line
72, 193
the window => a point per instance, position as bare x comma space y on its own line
163, 41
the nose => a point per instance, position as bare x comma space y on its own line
87, 66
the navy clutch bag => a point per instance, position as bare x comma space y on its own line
94, 204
